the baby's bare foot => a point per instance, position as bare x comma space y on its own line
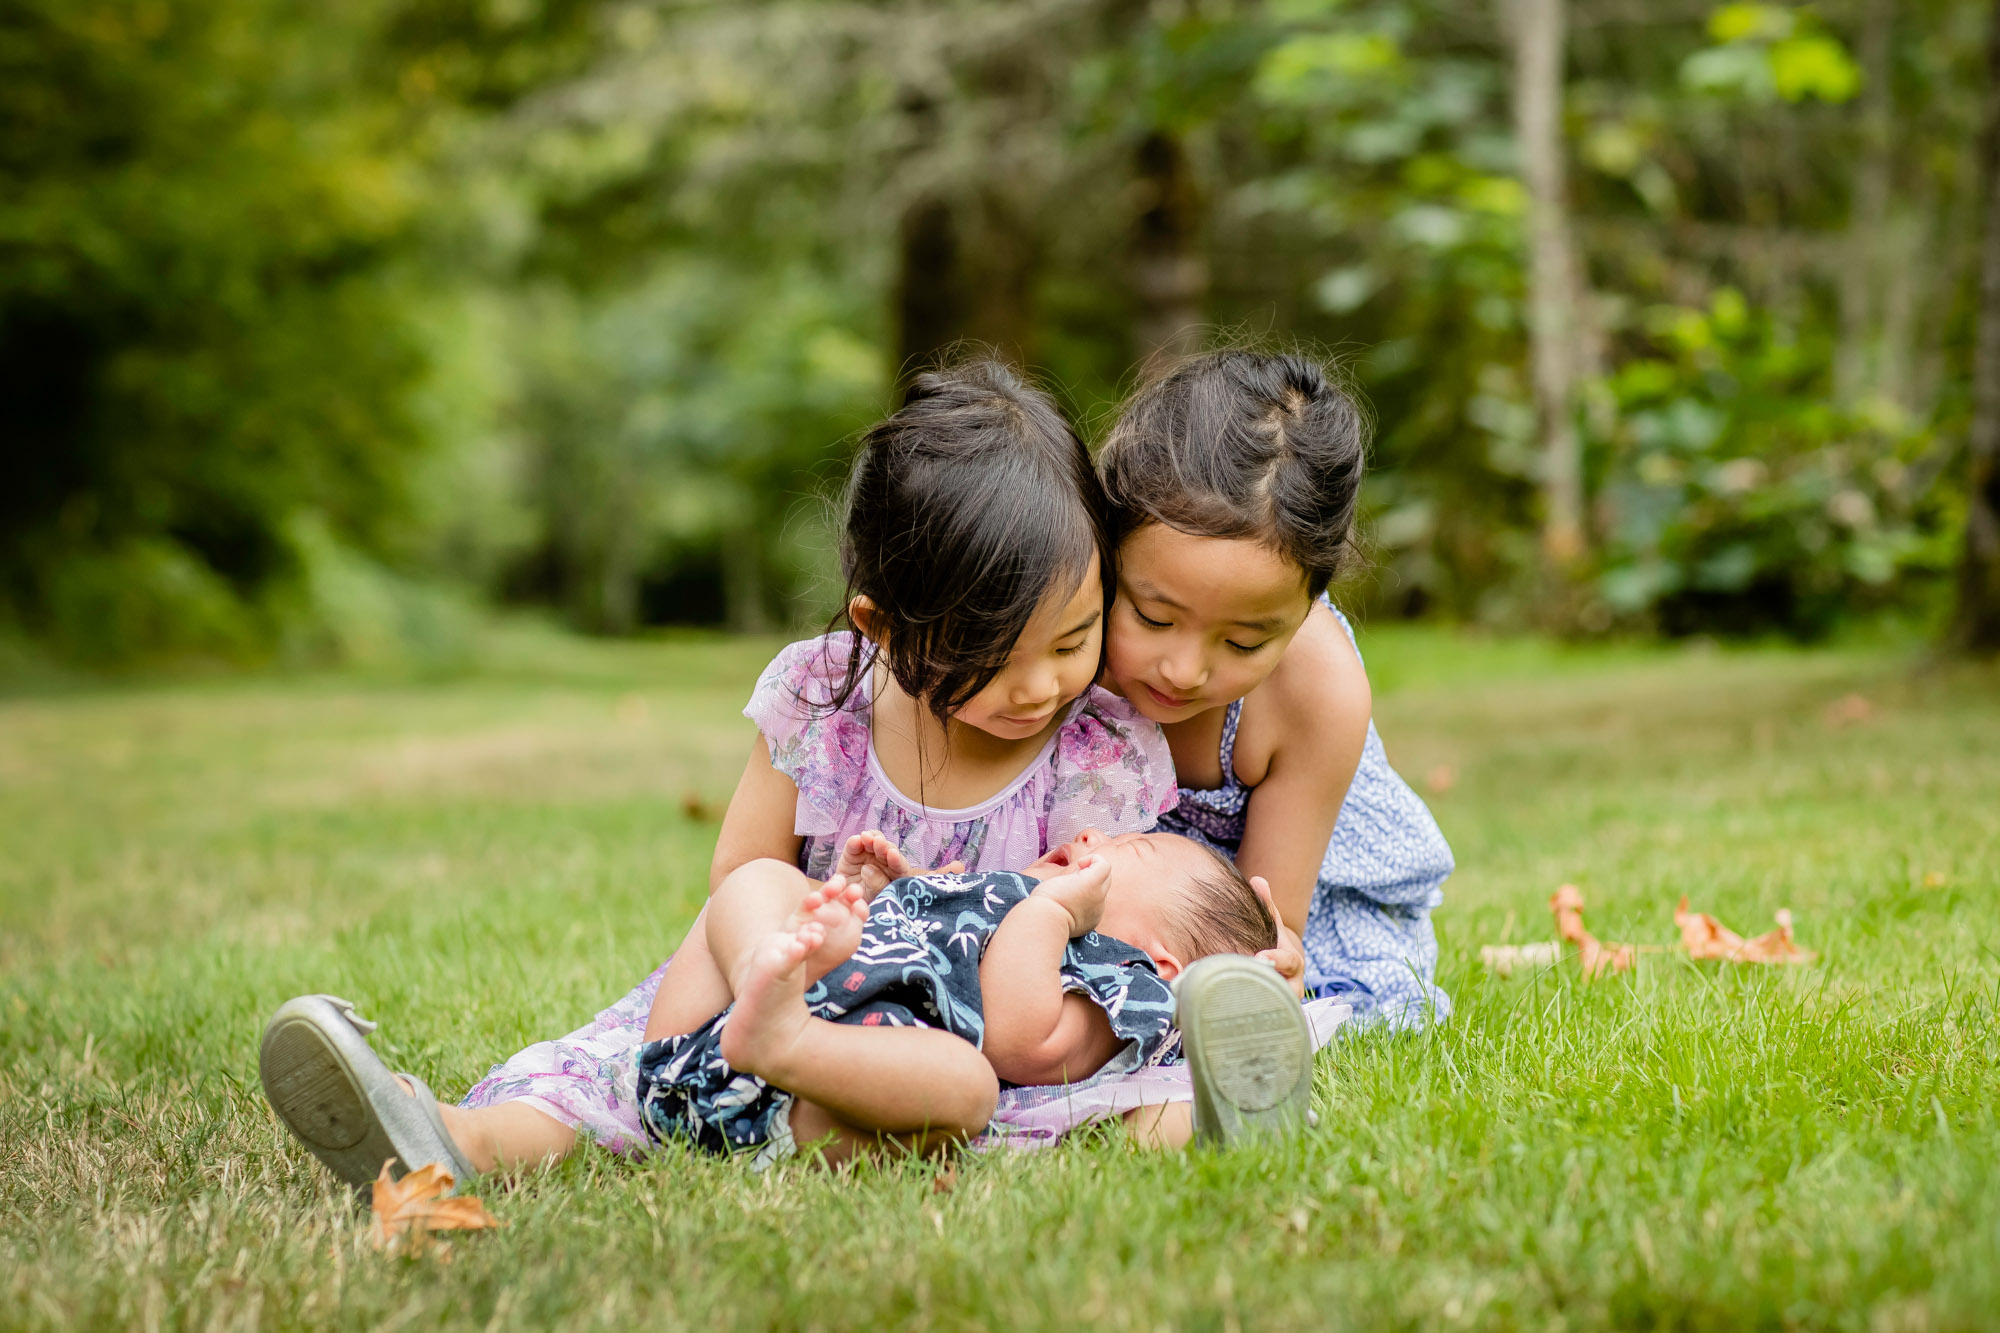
770, 1011
840, 909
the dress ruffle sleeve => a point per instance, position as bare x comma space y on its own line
1113, 771
823, 751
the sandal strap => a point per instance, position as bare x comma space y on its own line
348, 1012
461, 1170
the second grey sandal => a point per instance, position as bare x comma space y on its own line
337, 1097
1248, 1047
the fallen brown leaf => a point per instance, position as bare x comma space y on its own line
1441, 779
700, 811
417, 1204
1596, 957
945, 1181
1706, 938
1849, 710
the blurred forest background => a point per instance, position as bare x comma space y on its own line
324, 327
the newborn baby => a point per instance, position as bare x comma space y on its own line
846, 1021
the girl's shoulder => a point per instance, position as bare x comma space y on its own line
807, 676
1111, 769
813, 740
1317, 700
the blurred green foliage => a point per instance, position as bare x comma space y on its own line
1737, 496
320, 326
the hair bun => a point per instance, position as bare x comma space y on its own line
1244, 445
986, 373
1304, 377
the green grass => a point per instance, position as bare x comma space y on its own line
483, 862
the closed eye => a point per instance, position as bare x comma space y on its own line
1245, 648
1148, 621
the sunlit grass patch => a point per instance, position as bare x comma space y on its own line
1691, 1145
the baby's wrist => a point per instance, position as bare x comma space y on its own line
1059, 912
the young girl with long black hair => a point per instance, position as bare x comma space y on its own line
957, 718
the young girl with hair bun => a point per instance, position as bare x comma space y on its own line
955, 724
1233, 480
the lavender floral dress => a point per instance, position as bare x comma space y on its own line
1107, 767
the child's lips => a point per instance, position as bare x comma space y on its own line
1167, 700
1031, 720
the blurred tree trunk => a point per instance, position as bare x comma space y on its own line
743, 592
1552, 269
1976, 626
618, 579
965, 274
1169, 271
1861, 367
968, 251
931, 299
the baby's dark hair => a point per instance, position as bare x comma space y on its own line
1221, 913
965, 510
1243, 444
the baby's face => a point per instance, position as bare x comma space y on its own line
1149, 873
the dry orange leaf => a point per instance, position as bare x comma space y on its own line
1597, 957
1705, 937
417, 1204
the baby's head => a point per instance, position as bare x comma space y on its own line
976, 545
1233, 481
1170, 897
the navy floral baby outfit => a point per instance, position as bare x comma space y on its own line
917, 966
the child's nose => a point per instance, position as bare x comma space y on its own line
1184, 673
1038, 688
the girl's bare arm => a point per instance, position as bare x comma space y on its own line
1315, 709
761, 817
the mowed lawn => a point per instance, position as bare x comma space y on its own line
483, 861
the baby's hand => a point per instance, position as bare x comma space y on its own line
872, 861
1081, 892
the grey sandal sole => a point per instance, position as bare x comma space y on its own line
337, 1097
1248, 1047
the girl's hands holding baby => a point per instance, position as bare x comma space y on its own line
872, 861
1289, 957
1081, 892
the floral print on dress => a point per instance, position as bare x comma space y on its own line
1107, 767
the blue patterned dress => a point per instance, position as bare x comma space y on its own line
1368, 936
917, 966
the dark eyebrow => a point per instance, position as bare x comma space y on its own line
1083, 624
1152, 594
1268, 625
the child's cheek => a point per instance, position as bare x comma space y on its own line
1117, 658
